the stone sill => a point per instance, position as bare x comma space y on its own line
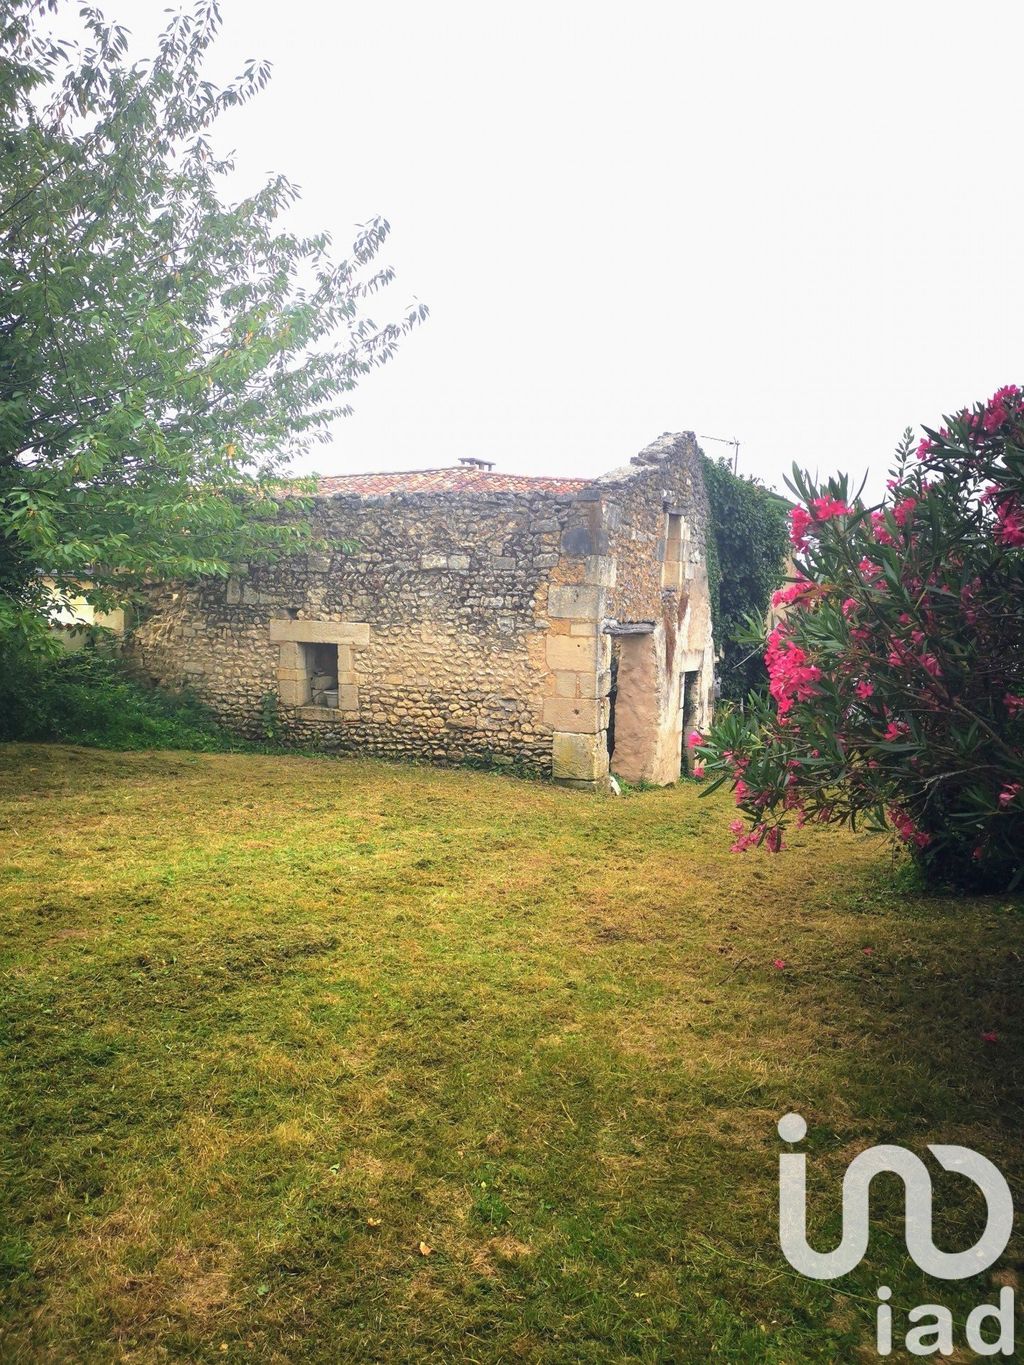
324, 713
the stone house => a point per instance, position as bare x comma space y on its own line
560, 624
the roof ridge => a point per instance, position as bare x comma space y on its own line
445, 468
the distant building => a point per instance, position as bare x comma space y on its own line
71, 620
561, 624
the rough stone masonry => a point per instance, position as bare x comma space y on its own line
560, 624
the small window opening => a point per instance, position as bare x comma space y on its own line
672, 569
322, 672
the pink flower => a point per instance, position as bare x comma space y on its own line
799, 524
896, 730
990, 1036
864, 690
698, 771
791, 676
906, 828
967, 595
930, 665
736, 826
796, 592
745, 841
694, 739
881, 533
1009, 529
997, 410
801, 519
925, 448
867, 951
1009, 794
773, 839
903, 511
779, 964
1013, 704
826, 508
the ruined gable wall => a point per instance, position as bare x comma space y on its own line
669, 472
667, 678
440, 617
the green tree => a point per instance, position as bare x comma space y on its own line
164, 354
746, 562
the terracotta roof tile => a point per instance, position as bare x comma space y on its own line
457, 479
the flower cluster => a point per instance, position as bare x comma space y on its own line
1009, 529
804, 521
791, 675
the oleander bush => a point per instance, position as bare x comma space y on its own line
896, 678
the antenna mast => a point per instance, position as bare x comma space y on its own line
724, 440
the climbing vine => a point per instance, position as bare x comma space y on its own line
746, 557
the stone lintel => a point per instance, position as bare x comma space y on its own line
628, 628
354, 633
690, 660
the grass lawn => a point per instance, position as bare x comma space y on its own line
310, 1060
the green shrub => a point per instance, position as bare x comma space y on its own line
92, 697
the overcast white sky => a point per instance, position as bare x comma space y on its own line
795, 223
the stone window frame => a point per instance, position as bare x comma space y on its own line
292, 676
675, 549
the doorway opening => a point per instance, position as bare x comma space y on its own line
689, 706
633, 722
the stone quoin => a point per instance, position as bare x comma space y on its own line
454, 614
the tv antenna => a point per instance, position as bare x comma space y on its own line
724, 440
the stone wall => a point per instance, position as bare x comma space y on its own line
445, 626
433, 607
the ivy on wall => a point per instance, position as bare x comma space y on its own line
746, 563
